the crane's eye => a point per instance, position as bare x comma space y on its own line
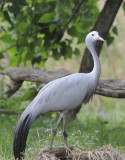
92, 34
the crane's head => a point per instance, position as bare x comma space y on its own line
92, 37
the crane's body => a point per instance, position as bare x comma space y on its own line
61, 90
61, 95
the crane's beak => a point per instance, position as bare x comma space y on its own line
100, 39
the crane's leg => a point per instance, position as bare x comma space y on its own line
64, 129
55, 129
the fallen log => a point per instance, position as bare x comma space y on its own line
107, 87
19, 74
114, 88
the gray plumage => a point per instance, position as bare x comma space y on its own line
62, 95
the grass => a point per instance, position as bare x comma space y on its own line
98, 126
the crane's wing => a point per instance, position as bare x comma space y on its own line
47, 85
64, 93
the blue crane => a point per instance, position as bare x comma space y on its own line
60, 95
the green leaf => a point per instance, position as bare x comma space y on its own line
123, 6
13, 61
40, 35
22, 27
68, 52
56, 55
114, 30
28, 95
29, 55
11, 51
44, 54
1, 55
13, 56
77, 52
22, 41
109, 39
6, 38
42, 64
47, 17
52, 27
73, 31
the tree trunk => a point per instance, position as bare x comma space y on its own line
102, 25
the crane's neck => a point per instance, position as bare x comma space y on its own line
95, 73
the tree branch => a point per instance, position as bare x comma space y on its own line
9, 112
19, 74
114, 88
34, 75
109, 88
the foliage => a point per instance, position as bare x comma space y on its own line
33, 31
111, 36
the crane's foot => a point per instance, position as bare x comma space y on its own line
52, 137
65, 135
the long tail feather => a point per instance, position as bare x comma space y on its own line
20, 135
